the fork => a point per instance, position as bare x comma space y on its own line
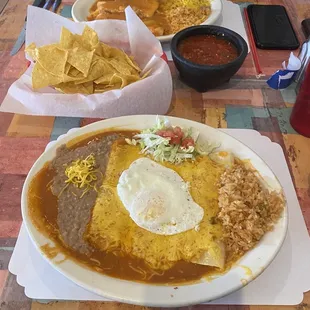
49, 3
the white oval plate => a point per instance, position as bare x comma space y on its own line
159, 295
80, 11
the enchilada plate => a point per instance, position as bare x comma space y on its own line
256, 260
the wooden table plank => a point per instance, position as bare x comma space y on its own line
3, 3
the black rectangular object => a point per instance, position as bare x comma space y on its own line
271, 27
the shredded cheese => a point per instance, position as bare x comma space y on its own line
81, 173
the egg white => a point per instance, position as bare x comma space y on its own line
157, 198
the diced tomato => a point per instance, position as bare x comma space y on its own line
187, 142
178, 131
175, 140
165, 133
175, 135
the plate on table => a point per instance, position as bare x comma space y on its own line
80, 11
247, 268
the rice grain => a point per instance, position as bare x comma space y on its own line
247, 209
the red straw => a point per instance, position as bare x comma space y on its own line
252, 43
164, 57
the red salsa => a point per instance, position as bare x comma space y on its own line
207, 50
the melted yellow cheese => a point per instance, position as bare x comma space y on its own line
111, 227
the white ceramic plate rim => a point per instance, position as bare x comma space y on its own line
159, 295
81, 6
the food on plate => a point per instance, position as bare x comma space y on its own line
208, 50
156, 206
157, 198
247, 209
162, 17
82, 64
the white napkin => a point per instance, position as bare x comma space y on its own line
293, 64
283, 78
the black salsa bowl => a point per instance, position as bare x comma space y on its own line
205, 77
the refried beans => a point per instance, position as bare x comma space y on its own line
74, 211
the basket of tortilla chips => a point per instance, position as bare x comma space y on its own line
97, 69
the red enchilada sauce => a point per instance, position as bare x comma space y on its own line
207, 50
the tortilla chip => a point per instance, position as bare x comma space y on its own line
52, 59
110, 52
102, 88
98, 50
42, 78
74, 72
116, 80
66, 38
31, 51
69, 88
105, 79
69, 78
126, 79
98, 69
67, 68
81, 64
73, 75
89, 39
122, 66
146, 74
88, 87
72, 88
132, 63
81, 59
215, 256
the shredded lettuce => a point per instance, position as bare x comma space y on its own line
160, 147
161, 124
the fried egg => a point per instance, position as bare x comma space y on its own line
157, 198
223, 158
